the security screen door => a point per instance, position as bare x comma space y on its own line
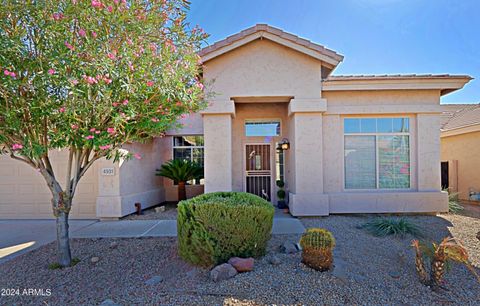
258, 170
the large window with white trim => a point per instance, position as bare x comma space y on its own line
189, 148
377, 153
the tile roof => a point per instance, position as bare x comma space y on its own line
459, 115
275, 31
394, 76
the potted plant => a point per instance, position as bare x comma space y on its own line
181, 171
281, 195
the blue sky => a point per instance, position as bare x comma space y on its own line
375, 36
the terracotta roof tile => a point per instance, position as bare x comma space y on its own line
459, 115
275, 31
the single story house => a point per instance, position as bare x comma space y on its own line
460, 150
356, 144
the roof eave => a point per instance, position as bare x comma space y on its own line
444, 84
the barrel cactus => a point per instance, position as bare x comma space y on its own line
317, 246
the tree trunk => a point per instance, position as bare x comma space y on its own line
182, 192
63, 242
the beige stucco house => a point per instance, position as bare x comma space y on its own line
460, 150
356, 143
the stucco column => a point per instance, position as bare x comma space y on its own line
428, 150
109, 200
307, 197
217, 130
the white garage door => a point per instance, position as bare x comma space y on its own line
25, 195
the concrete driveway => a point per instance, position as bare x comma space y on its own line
20, 236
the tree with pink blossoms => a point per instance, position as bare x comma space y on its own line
88, 77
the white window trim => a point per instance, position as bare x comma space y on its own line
378, 189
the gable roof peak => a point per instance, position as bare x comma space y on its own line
277, 35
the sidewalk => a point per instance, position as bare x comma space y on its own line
20, 236
163, 228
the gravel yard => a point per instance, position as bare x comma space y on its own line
368, 270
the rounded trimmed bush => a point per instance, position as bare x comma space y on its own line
216, 226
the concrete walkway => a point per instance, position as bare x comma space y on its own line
21, 236
164, 228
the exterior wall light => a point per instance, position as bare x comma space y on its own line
284, 144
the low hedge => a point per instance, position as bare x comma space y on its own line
216, 226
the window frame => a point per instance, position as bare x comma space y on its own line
262, 120
191, 152
377, 168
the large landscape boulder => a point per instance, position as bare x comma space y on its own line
242, 264
222, 272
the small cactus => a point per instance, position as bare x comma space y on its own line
317, 245
317, 238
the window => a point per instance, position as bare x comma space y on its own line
377, 153
189, 148
262, 128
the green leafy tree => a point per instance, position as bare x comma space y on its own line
181, 171
89, 76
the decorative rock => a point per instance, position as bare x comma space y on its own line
159, 209
478, 235
289, 247
109, 302
113, 245
274, 260
222, 272
94, 259
154, 280
242, 264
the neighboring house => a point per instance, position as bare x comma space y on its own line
356, 143
460, 150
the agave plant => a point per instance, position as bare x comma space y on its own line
382, 227
449, 249
181, 171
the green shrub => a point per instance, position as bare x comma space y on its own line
214, 227
281, 194
382, 227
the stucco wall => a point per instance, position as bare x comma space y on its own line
218, 152
134, 181
382, 97
24, 193
263, 68
465, 149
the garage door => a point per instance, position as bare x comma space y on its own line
25, 195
